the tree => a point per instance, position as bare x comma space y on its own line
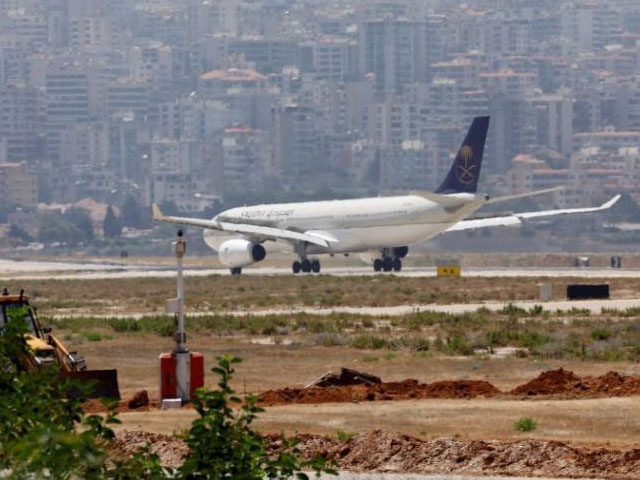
53, 227
223, 445
111, 224
131, 215
81, 220
19, 234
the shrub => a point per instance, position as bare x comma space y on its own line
45, 433
124, 325
370, 342
525, 424
459, 345
344, 436
93, 336
601, 334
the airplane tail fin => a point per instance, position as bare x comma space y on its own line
465, 171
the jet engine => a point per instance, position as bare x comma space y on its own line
240, 253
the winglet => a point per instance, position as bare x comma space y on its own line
610, 203
157, 213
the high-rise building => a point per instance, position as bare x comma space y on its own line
244, 155
22, 124
387, 49
18, 186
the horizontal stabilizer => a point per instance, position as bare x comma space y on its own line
506, 198
451, 201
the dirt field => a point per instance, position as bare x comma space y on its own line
500, 351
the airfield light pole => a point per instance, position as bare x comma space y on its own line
181, 351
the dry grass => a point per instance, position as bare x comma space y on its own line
147, 295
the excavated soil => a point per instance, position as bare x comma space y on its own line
564, 382
169, 449
551, 383
380, 451
388, 452
407, 389
138, 402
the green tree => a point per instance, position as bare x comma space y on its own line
223, 445
19, 234
111, 224
81, 220
53, 227
131, 214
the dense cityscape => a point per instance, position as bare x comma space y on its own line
107, 106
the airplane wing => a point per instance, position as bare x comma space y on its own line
259, 231
516, 218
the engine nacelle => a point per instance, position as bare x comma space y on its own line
240, 253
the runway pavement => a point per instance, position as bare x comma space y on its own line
11, 269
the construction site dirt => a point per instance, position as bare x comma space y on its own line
550, 383
380, 451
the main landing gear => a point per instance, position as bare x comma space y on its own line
391, 260
306, 266
236, 270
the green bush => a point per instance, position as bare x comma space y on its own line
369, 342
525, 424
45, 433
124, 325
93, 336
601, 334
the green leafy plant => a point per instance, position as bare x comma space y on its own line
525, 424
223, 445
45, 433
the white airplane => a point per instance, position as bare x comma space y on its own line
381, 227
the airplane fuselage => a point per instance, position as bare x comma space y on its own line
354, 225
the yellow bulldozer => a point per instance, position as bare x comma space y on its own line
45, 350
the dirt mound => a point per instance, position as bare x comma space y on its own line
614, 384
169, 449
388, 452
552, 382
347, 376
404, 390
139, 401
564, 382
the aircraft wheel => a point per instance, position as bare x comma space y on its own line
296, 267
387, 264
377, 265
236, 271
305, 266
397, 264
315, 266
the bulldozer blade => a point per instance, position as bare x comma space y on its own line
102, 383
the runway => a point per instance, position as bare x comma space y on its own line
27, 270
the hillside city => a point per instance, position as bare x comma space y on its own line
108, 106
